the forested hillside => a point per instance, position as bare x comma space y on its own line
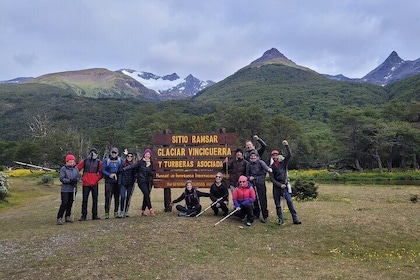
328, 123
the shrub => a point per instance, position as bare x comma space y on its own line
4, 186
47, 179
304, 190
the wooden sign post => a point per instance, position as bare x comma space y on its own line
196, 157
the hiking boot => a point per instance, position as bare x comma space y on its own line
59, 221
82, 218
116, 215
263, 220
122, 215
182, 214
68, 220
143, 213
297, 222
152, 213
107, 216
248, 224
96, 218
280, 222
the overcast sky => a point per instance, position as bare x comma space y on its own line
210, 39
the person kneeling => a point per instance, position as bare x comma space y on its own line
243, 199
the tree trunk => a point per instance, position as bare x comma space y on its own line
378, 160
358, 167
415, 164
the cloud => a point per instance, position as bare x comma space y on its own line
209, 39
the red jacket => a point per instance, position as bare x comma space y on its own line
92, 172
243, 195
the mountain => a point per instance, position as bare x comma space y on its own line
16, 80
393, 69
169, 86
279, 86
97, 83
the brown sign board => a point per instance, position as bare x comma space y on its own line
196, 157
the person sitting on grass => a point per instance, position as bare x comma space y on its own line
243, 200
192, 201
219, 192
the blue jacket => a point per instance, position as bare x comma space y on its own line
110, 166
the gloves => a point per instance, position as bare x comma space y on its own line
236, 204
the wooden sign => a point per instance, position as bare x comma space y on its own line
196, 157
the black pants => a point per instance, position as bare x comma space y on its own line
222, 206
192, 212
112, 190
86, 191
261, 200
246, 212
66, 204
145, 189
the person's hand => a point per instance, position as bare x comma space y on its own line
251, 178
238, 208
113, 176
270, 170
125, 152
285, 143
283, 186
226, 160
256, 137
171, 204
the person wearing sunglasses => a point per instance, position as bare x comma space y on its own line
110, 167
128, 177
219, 192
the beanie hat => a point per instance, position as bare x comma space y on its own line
242, 178
93, 150
70, 157
147, 151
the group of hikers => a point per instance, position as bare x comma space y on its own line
247, 173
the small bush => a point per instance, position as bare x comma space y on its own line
4, 186
47, 179
304, 190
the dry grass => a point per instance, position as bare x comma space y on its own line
350, 232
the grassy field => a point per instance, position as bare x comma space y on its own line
349, 232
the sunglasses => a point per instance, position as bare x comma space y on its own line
242, 181
218, 176
129, 156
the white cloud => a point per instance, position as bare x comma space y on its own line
209, 39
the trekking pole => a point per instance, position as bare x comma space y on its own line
230, 214
258, 197
215, 202
74, 202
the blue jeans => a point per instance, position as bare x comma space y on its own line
277, 194
125, 197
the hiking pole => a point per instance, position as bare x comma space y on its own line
230, 214
74, 202
258, 198
215, 202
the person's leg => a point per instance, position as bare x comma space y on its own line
116, 194
123, 197
249, 213
94, 191
85, 197
256, 209
130, 190
291, 207
277, 202
63, 205
69, 205
108, 193
263, 200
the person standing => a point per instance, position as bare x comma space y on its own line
192, 201
128, 178
255, 171
235, 168
92, 174
243, 199
69, 175
144, 171
250, 147
279, 177
219, 192
110, 168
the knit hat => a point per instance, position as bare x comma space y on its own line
242, 178
70, 157
147, 151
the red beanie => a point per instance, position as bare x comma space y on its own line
70, 157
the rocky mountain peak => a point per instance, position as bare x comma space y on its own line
272, 53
